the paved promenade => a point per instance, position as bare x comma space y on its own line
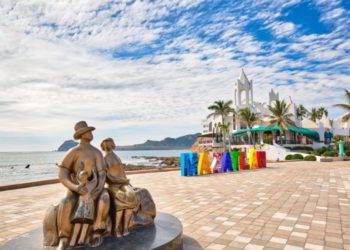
297, 205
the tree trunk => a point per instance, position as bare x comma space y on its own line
250, 138
229, 141
223, 140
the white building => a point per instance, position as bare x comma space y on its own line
304, 133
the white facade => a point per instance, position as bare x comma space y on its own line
243, 97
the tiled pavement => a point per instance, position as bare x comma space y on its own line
286, 206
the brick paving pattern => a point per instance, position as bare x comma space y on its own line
296, 205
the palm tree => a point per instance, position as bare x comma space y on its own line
345, 106
221, 108
322, 111
250, 119
314, 115
280, 115
225, 129
302, 112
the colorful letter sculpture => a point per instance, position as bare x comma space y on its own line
217, 167
242, 161
193, 164
226, 163
188, 163
203, 164
235, 160
253, 163
261, 158
213, 165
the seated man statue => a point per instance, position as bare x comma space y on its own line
134, 206
58, 226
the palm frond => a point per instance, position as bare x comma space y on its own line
344, 106
347, 94
346, 118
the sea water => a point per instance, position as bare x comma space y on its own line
43, 164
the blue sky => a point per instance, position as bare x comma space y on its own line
142, 70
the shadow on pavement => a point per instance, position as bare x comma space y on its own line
190, 243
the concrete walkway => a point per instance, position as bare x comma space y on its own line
292, 205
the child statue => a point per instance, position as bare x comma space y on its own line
84, 214
124, 194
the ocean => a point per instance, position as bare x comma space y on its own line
43, 164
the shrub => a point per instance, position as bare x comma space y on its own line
329, 153
347, 152
289, 157
338, 138
310, 158
298, 157
320, 151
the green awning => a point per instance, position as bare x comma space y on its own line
241, 131
307, 132
265, 128
312, 133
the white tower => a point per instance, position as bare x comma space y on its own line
243, 92
273, 96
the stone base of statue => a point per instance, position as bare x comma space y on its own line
165, 233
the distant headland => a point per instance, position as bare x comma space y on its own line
168, 143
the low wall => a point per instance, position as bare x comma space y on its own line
6, 187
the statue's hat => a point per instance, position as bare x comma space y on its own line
81, 128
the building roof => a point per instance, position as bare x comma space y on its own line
243, 77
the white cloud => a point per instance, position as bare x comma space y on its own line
282, 29
56, 67
345, 45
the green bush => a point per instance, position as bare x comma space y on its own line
338, 138
310, 158
329, 153
289, 157
320, 151
298, 157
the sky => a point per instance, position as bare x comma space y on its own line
139, 70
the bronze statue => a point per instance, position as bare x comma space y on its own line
134, 206
84, 213
93, 206
69, 169
123, 193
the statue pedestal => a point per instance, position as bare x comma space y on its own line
165, 233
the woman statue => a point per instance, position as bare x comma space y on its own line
124, 194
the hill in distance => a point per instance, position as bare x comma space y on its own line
67, 145
182, 142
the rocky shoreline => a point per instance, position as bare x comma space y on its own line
155, 162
